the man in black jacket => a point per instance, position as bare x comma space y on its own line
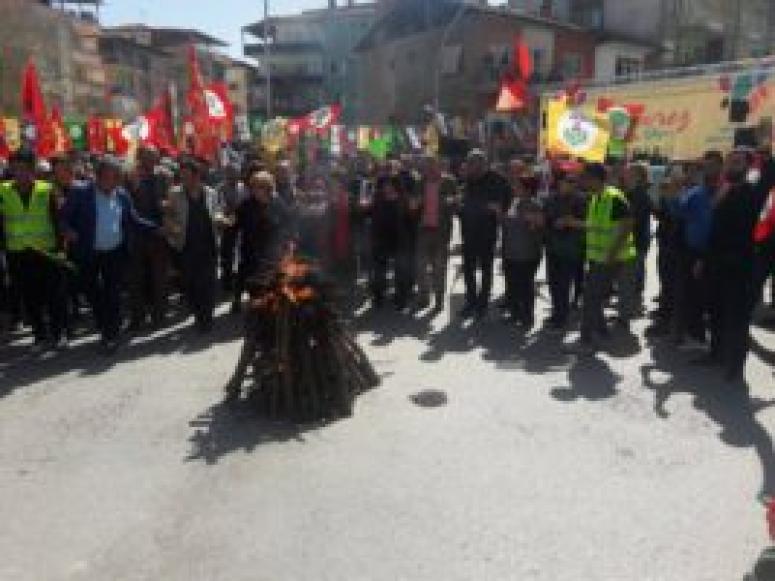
264, 225
729, 267
486, 195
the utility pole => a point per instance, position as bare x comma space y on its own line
267, 66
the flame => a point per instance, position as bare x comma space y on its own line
290, 286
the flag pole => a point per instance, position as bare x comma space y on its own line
267, 67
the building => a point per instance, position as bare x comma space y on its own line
310, 59
453, 55
165, 50
63, 41
687, 32
136, 73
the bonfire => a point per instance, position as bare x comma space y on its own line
305, 365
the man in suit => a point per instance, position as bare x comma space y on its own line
439, 198
98, 218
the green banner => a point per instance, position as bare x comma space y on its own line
76, 130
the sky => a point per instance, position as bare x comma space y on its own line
220, 18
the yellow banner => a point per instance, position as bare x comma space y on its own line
579, 132
683, 118
13, 135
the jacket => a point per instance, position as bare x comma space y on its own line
79, 216
176, 215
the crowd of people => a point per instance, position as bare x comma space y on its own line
92, 235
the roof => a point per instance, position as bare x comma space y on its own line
363, 9
164, 36
616, 37
111, 37
410, 18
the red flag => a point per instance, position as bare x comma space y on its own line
159, 127
5, 150
523, 59
34, 112
766, 225
95, 135
33, 105
220, 110
320, 120
203, 143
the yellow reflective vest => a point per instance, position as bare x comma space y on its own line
31, 226
602, 229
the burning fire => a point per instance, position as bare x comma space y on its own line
290, 285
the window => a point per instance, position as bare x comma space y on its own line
571, 65
628, 66
452, 60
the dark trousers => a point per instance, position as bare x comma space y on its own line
199, 286
641, 256
764, 268
520, 288
730, 286
667, 261
478, 257
403, 270
40, 282
102, 280
149, 267
561, 273
690, 304
227, 253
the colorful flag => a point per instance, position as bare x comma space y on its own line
765, 228
13, 136
523, 60
96, 138
580, 132
5, 150
76, 132
61, 143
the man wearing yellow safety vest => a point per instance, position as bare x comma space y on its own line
28, 209
611, 255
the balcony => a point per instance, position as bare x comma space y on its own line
291, 78
256, 50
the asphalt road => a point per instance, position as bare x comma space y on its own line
523, 463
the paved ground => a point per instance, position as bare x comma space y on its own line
630, 466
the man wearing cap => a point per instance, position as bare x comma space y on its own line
98, 217
28, 210
486, 196
610, 252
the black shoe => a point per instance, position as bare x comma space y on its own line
707, 360
236, 307
110, 347
467, 311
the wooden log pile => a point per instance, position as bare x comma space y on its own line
304, 364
